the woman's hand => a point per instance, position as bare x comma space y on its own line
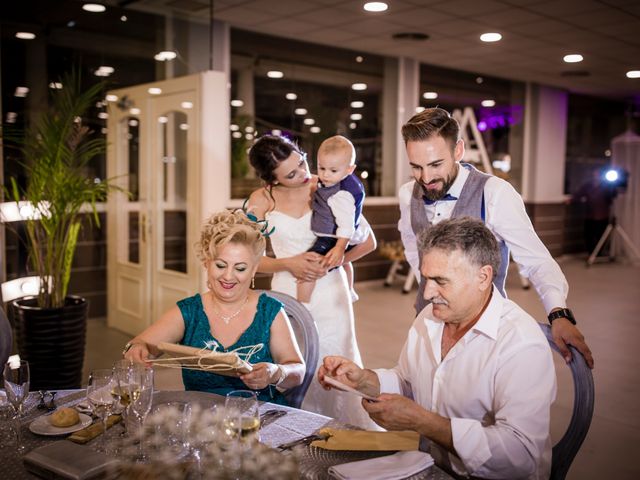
138, 353
263, 374
306, 266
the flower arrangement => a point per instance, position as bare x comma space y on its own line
188, 441
393, 250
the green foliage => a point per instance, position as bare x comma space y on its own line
57, 149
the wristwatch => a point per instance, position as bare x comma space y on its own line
562, 313
128, 347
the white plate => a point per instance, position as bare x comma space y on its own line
42, 425
345, 388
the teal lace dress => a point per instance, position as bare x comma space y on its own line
197, 334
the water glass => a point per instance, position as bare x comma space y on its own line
141, 395
121, 369
244, 419
102, 396
16, 384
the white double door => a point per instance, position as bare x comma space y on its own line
168, 145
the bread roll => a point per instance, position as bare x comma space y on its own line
64, 417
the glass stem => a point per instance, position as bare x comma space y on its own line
103, 441
18, 432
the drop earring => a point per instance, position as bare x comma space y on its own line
253, 282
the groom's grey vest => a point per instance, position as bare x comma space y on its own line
470, 203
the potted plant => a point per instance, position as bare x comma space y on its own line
51, 327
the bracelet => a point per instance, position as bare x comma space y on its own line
129, 346
282, 376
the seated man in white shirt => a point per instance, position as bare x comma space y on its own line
475, 376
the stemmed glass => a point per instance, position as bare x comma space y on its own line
100, 395
16, 384
121, 369
242, 405
141, 394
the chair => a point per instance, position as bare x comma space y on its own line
304, 328
566, 449
6, 338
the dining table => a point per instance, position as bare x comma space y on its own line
313, 462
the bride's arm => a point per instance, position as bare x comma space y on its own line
362, 249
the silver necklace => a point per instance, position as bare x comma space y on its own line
227, 318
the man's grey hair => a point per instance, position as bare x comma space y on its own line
464, 234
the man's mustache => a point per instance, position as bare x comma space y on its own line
437, 301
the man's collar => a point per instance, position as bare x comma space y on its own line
458, 183
490, 319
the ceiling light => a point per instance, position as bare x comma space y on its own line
184, 126
11, 117
633, 74
359, 59
309, 121
300, 111
249, 129
107, 68
315, 129
154, 90
359, 86
430, 95
291, 96
55, 86
233, 127
275, 74
123, 18
573, 58
420, 109
277, 132
111, 98
186, 105
71, 24
133, 122
134, 111
364, 174
21, 92
479, 80
236, 135
94, 7
103, 115
353, 125
163, 119
491, 37
249, 136
488, 103
356, 116
237, 103
357, 104
375, 6
25, 35
165, 55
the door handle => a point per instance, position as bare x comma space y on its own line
143, 228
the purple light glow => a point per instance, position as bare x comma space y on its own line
482, 126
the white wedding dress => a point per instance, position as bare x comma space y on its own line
331, 309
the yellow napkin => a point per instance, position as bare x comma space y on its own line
92, 431
367, 441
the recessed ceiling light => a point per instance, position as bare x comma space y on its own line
134, 111
71, 23
233, 127
291, 96
420, 109
165, 55
133, 122
573, 58
103, 115
249, 136
55, 85
430, 95
249, 129
315, 129
186, 105
309, 121
25, 35
21, 92
364, 174
359, 86
184, 126
11, 117
479, 80
111, 98
491, 37
356, 116
488, 103
277, 132
107, 68
353, 125
375, 6
275, 74
359, 59
300, 111
163, 119
236, 134
123, 18
94, 7
237, 103
633, 74
154, 90
357, 104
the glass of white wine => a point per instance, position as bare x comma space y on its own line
245, 420
101, 397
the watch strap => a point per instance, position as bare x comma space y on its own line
562, 313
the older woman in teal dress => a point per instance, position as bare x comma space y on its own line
230, 316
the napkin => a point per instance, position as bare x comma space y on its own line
391, 467
363, 440
92, 431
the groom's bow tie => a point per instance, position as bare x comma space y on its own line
447, 197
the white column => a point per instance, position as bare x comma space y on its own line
545, 139
401, 90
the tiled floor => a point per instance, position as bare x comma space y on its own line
606, 301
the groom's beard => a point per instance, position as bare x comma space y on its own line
435, 195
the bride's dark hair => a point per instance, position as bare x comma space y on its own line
268, 152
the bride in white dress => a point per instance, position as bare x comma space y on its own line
285, 204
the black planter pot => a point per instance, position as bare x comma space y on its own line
52, 340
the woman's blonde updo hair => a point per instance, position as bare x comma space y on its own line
229, 227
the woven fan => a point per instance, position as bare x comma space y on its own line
223, 363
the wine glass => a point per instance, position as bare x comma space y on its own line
16, 384
100, 395
121, 370
141, 396
245, 418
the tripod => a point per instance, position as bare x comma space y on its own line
611, 229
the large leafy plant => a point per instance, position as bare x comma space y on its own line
56, 151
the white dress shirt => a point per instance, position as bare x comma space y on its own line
496, 385
507, 218
343, 208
